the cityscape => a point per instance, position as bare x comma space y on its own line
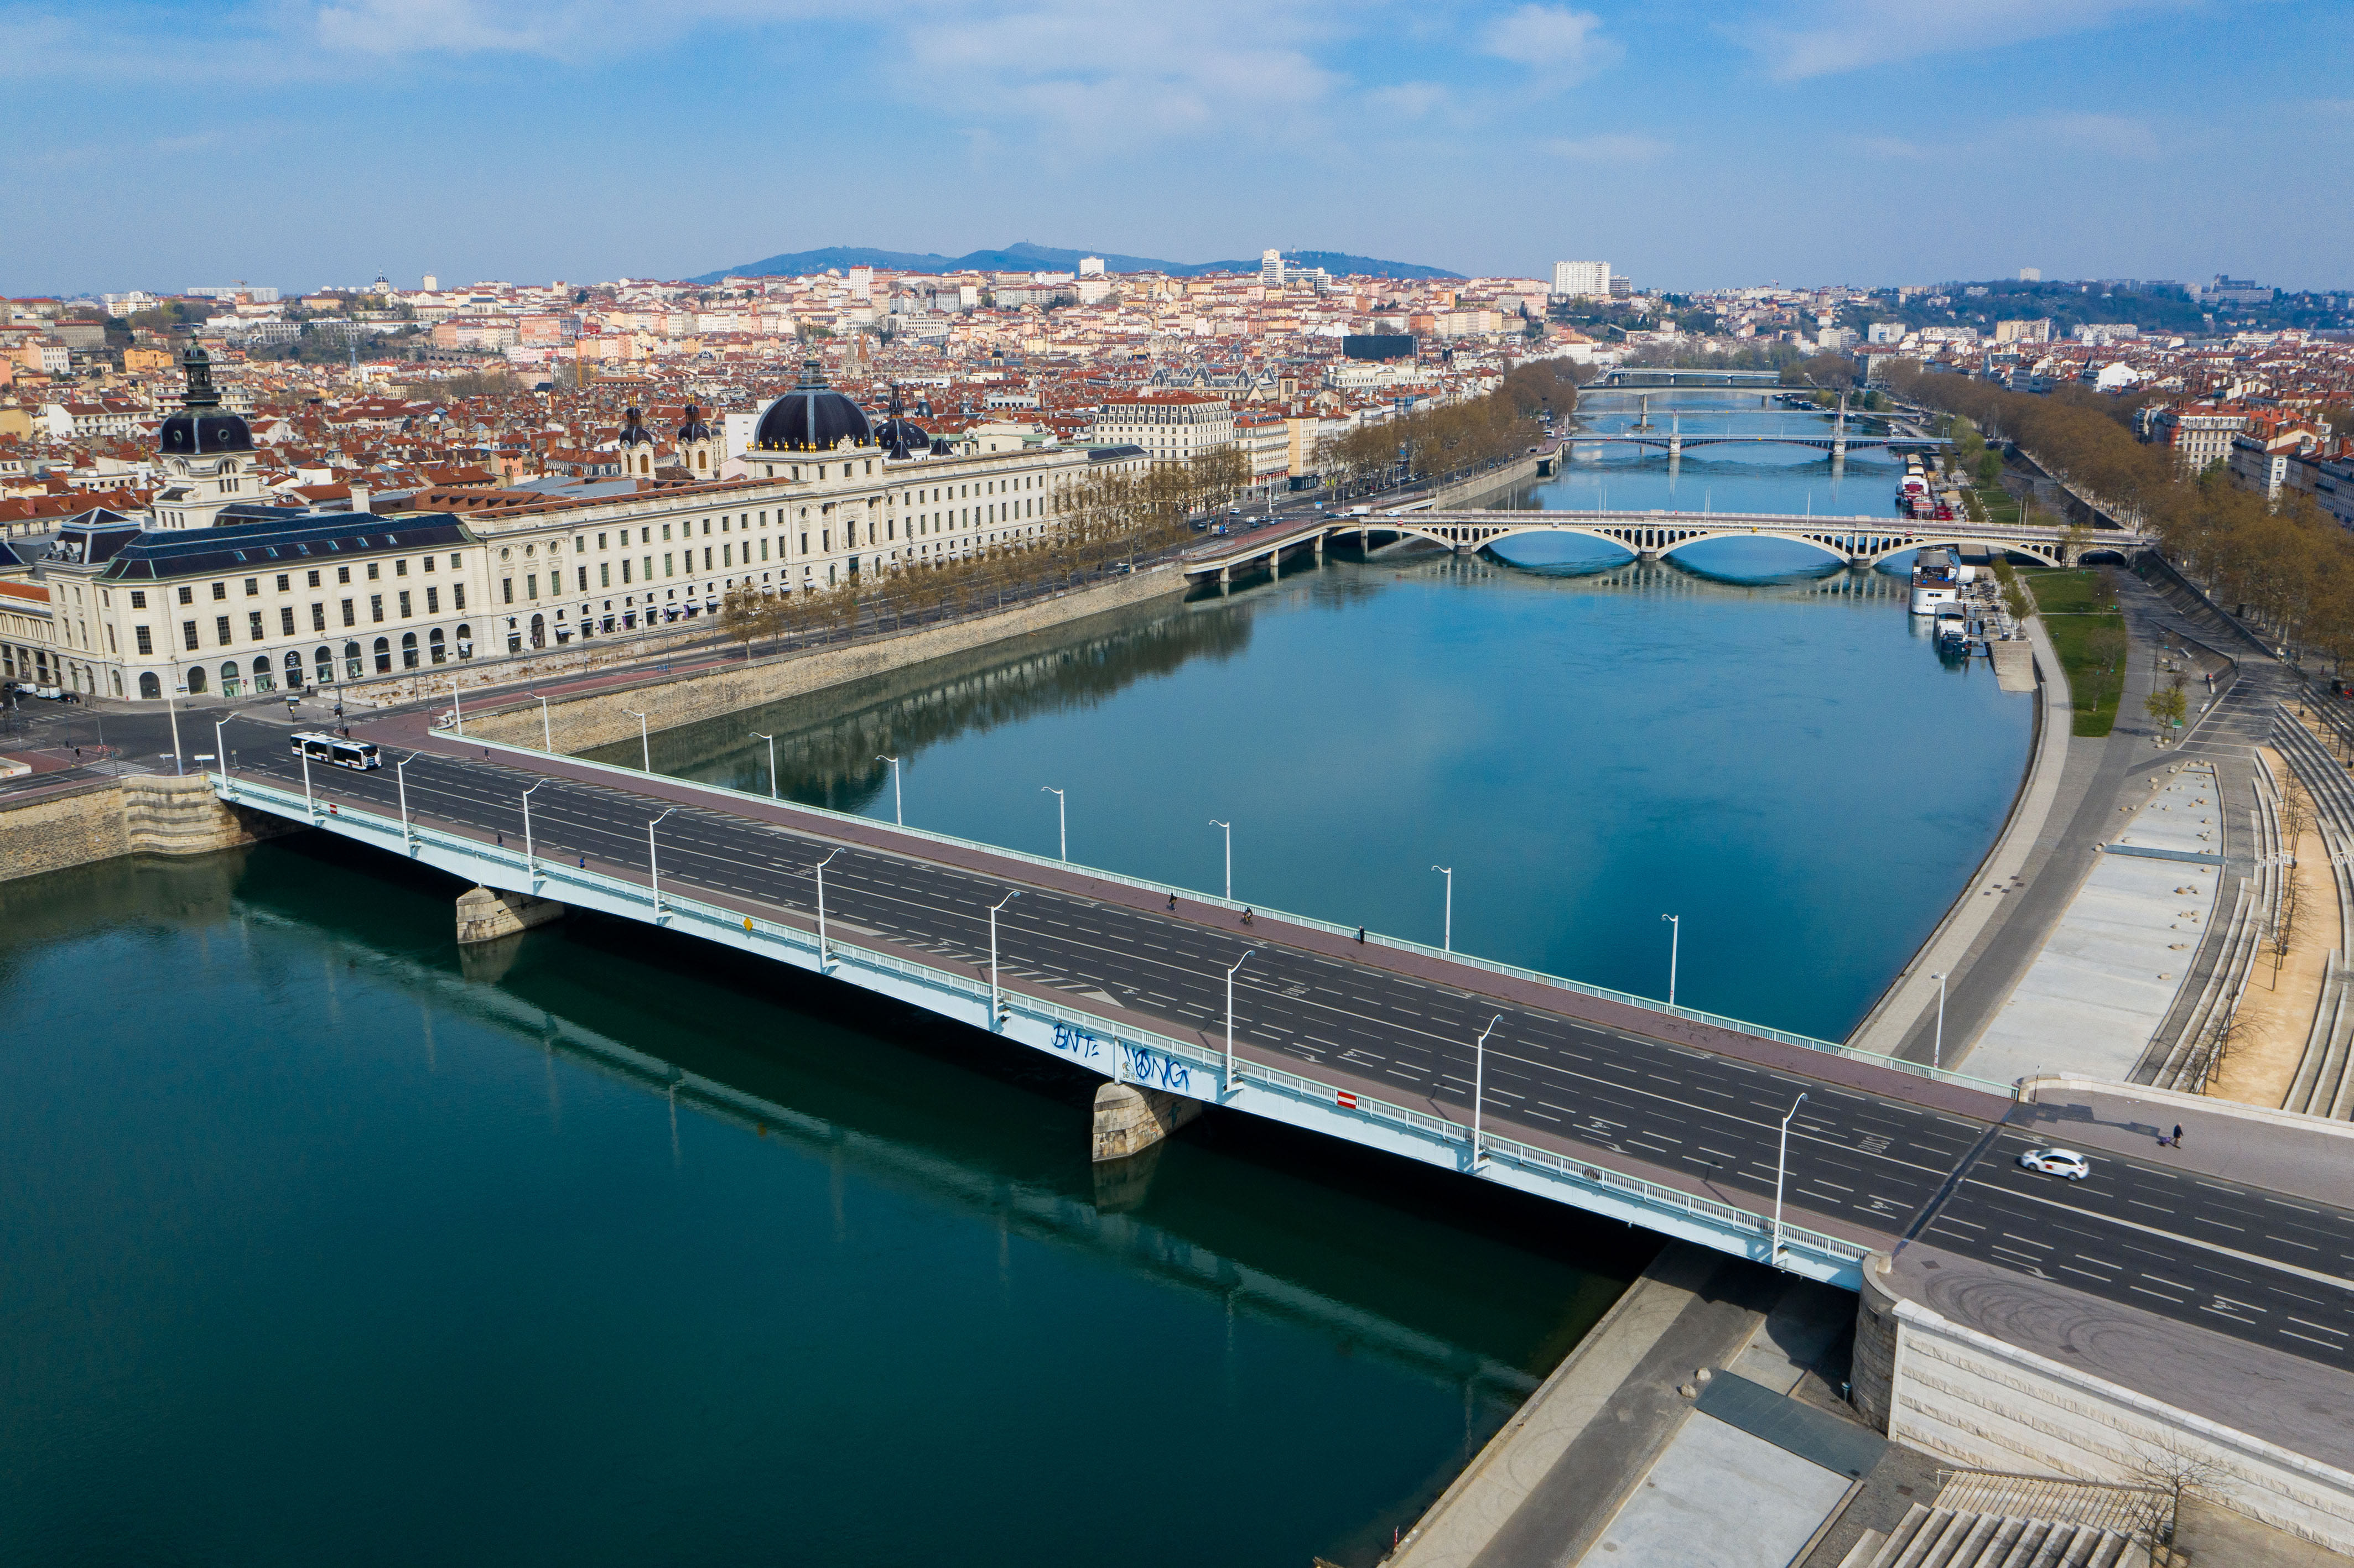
1535, 890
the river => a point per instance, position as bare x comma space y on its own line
319, 1241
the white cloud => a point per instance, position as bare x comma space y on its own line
1610, 147
1567, 45
1804, 38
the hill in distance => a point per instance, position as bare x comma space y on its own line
1028, 258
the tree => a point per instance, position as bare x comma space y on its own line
2167, 706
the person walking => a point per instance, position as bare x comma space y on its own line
1246, 914
2177, 1135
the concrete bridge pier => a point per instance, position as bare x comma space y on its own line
485, 916
1128, 1121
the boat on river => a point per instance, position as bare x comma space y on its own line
1936, 579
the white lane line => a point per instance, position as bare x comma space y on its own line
2315, 1275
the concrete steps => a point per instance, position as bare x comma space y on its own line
1947, 1538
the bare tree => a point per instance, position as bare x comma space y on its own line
2172, 1471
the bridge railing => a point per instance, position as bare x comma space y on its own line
1131, 1050
821, 816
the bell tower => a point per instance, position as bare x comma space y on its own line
207, 456
698, 448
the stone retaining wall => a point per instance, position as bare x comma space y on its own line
141, 814
582, 723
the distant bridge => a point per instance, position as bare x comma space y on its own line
1654, 375
1852, 541
1675, 444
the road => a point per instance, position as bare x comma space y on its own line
1870, 1164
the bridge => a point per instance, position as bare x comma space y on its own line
1675, 443
1660, 376
1664, 1117
1855, 541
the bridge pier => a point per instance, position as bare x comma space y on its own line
1128, 1121
485, 916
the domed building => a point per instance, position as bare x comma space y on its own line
811, 417
637, 446
698, 447
207, 455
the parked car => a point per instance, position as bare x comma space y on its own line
2064, 1162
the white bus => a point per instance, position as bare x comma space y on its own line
334, 749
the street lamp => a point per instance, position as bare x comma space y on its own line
654, 865
456, 711
819, 869
1230, 1016
172, 708
310, 810
1675, 942
1781, 1169
1479, 1082
995, 1002
220, 749
1446, 941
1230, 856
530, 861
400, 779
546, 742
645, 746
1062, 822
898, 804
772, 761
1937, 1042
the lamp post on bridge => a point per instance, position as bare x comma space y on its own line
772, 761
822, 954
1480, 1083
1230, 1016
221, 747
1937, 1041
1675, 942
1230, 856
1447, 938
1781, 1169
898, 802
530, 860
654, 865
995, 999
400, 780
547, 740
645, 746
1062, 822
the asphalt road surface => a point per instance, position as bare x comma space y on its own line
2258, 1266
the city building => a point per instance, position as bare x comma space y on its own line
1582, 280
1172, 427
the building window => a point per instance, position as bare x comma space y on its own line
138, 599
284, 582
349, 619
401, 568
506, 590
286, 620
372, 572
409, 651
457, 592
432, 599
318, 615
404, 610
440, 653
189, 631
352, 661
221, 630
146, 643
343, 575
221, 591
384, 656
376, 606
310, 580
625, 571
323, 661
605, 572
666, 560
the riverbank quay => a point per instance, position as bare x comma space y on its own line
91, 820
572, 720
1617, 1452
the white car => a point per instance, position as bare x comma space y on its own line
2057, 1162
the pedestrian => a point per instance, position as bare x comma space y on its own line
2177, 1135
1172, 901
584, 863
1246, 914
503, 840
1360, 936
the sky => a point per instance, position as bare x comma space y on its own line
1691, 143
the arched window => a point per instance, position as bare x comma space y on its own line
465, 639
262, 679
293, 669
352, 661
440, 652
384, 655
409, 651
323, 662
196, 678
232, 686
538, 631
149, 686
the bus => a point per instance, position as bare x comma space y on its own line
334, 749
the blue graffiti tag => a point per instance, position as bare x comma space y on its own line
1077, 1042
1156, 1071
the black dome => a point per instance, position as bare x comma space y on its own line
694, 429
199, 427
897, 436
811, 417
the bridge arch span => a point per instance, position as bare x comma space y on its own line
1642, 537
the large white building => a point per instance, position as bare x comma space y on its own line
1171, 427
1582, 280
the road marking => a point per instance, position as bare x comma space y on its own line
2233, 1253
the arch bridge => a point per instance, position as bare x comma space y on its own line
1651, 535
1675, 444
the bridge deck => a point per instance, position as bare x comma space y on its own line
1691, 1106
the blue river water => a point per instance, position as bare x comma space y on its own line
320, 1241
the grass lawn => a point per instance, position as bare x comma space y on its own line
1998, 505
2081, 615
